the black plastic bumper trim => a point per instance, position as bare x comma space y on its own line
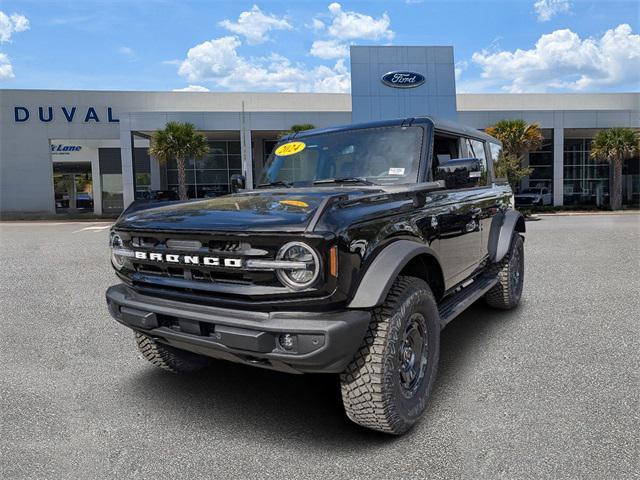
326, 341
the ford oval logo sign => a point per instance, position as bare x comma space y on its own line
402, 79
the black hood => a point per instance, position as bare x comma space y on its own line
288, 210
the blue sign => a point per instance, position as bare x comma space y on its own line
47, 114
60, 149
403, 79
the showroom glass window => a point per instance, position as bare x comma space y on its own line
541, 162
111, 179
209, 176
586, 181
142, 170
631, 182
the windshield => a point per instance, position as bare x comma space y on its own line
373, 155
531, 190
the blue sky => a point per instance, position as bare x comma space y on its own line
500, 46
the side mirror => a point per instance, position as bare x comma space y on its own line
238, 182
460, 173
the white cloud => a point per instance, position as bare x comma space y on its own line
212, 59
6, 70
329, 49
547, 9
335, 80
10, 24
192, 88
126, 51
218, 61
317, 25
254, 25
561, 60
347, 25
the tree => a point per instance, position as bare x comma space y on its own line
518, 139
298, 128
615, 145
180, 141
510, 167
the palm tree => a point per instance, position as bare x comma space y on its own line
518, 139
615, 145
300, 127
179, 141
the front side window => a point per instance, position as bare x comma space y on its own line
458, 173
381, 156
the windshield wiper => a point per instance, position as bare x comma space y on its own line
277, 183
360, 180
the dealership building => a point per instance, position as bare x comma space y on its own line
64, 151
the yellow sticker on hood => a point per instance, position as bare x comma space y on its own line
290, 148
294, 203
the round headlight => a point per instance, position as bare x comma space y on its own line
117, 245
298, 279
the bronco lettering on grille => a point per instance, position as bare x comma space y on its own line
189, 259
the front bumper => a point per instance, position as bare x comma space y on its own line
322, 341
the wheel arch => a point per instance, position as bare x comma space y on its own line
502, 228
402, 257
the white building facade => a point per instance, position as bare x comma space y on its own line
68, 151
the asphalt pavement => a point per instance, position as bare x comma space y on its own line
549, 390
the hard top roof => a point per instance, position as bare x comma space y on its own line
439, 125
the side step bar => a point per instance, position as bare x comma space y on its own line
458, 302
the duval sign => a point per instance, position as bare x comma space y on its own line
47, 114
403, 79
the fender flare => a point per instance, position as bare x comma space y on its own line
502, 227
383, 271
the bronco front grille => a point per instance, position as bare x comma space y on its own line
220, 248
222, 273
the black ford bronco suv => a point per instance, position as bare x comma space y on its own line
357, 247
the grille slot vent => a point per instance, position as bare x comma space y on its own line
235, 246
178, 244
145, 242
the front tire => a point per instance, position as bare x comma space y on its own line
506, 294
169, 358
387, 384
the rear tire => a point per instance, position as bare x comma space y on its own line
169, 358
506, 293
387, 384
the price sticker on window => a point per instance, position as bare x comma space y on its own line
294, 203
290, 148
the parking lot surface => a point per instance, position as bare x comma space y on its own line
550, 390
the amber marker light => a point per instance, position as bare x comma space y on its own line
333, 261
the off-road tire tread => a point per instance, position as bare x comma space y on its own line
501, 295
168, 358
365, 390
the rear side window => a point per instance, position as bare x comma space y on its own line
475, 149
496, 150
